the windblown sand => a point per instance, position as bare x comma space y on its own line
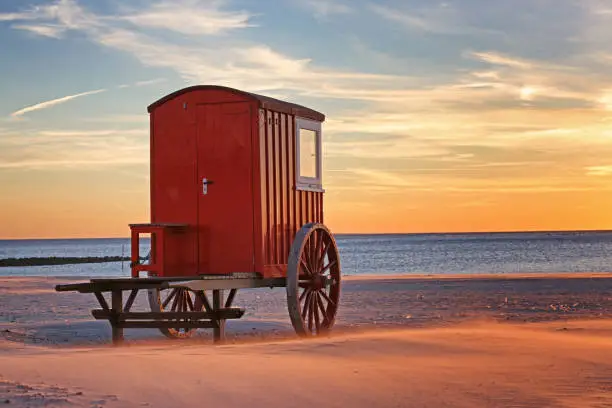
425, 342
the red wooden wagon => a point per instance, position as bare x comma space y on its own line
236, 202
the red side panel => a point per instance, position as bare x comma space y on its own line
283, 209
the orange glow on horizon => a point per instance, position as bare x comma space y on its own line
99, 215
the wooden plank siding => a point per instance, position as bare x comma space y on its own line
284, 209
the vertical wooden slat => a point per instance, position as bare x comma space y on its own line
289, 226
282, 186
263, 174
305, 197
313, 197
321, 217
301, 208
308, 206
307, 216
270, 191
277, 187
290, 212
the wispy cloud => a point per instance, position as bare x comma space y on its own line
31, 149
45, 30
599, 170
431, 17
92, 133
195, 17
144, 83
67, 13
72, 163
498, 59
120, 118
325, 8
404, 18
28, 15
53, 102
150, 82
408, 181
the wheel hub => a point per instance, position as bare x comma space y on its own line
317, 282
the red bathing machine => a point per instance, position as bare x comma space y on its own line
236, 201
233, 177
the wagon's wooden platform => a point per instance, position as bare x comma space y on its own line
204, 314
198, 282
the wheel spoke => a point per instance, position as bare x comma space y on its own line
304, 293
169, 298
175, 301
305, 308
322, 308
326, 297
304, 285
310, 312
186, 301
321, 260
304, 264
179, 300
317, 255
329, 265
183, 303
316, 312
311, 252
190, 302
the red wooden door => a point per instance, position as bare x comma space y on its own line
225, 174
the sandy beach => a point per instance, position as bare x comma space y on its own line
401, 341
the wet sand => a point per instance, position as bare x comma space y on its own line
428, 341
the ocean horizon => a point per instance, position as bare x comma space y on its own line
382, 254
360, 233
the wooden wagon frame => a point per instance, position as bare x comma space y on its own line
213, 315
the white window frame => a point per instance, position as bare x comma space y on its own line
308, 183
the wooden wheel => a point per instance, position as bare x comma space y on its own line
313, 280
174, 300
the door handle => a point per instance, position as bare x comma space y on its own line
205, 183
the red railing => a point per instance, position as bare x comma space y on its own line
155, 266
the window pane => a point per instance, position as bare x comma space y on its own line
308, 153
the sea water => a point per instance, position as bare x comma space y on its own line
382, 254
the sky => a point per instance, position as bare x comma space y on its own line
442, 116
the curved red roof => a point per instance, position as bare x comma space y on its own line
265, 102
